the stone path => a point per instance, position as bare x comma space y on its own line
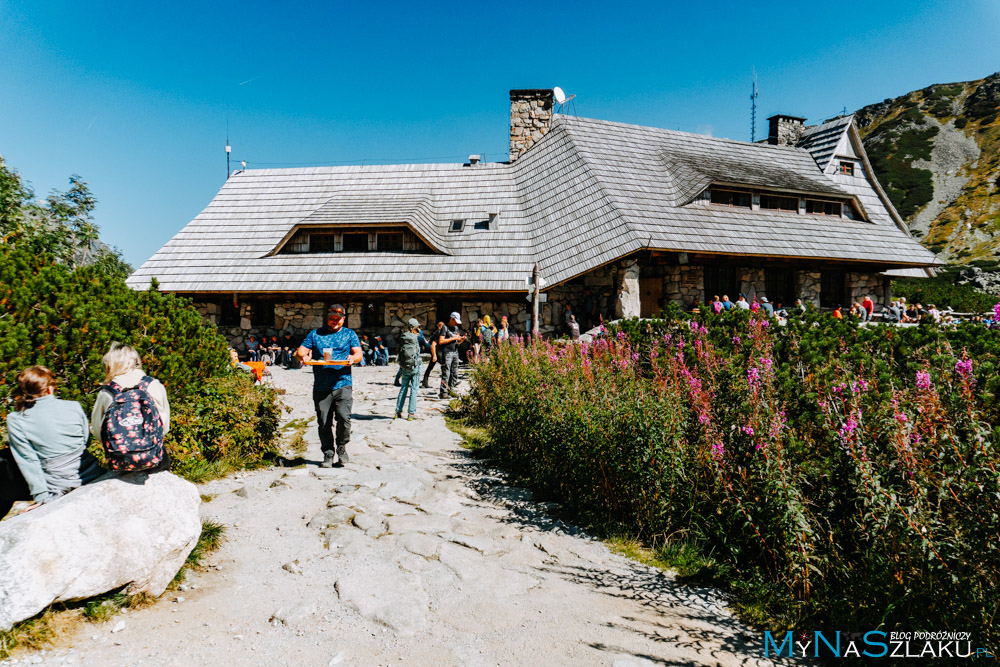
414, 553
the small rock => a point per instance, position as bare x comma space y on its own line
119, 627
182, 588
178, 600
242, 492
292, 567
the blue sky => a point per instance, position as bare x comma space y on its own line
135, 97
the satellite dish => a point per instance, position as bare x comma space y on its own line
561, 98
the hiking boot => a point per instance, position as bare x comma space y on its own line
328, 459
342, 455
398, 415
411, 418
425, 385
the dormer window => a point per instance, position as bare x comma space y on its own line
731, 198
846, 168
355, 242
389, 241
322, 242
818, 207
456, 226
779, 203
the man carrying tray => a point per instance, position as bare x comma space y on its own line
332, 388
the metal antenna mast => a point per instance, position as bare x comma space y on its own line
229, 149
753, 109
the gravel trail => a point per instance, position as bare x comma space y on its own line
414, 553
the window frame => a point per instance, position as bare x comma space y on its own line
778, 197
733, 192
343, 244
385, 234
824, 202
456, 226
315, 236
846, 168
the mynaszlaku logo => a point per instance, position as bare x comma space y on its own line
873, 644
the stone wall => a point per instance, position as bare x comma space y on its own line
530, 119
807, 286
681, 285
875, 285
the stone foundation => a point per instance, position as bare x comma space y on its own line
614, 289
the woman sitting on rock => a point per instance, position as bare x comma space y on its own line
123, 368
48, 444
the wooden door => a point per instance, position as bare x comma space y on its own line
650, 296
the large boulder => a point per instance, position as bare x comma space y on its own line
132, 530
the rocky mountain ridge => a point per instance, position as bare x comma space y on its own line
936, 151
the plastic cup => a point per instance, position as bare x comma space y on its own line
327, 354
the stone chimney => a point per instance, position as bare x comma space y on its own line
530, 118
785, 130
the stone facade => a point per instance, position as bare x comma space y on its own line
627, 304
807, 286
873, 284
613, 287
530, 119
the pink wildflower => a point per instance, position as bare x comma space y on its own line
718, 450
753, 376
964, 368
748, 430
923, 380
737, 340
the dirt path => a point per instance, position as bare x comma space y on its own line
414, 553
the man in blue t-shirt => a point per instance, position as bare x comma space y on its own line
332, 388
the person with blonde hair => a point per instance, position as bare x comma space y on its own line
123, 372
48, 439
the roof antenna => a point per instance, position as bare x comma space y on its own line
753, 109
562, 101
229, 149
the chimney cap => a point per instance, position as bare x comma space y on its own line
473, 159
785, 116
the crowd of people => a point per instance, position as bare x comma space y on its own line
49, 436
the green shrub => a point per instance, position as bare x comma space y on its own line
832, 475
65, 318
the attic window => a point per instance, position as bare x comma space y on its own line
779, 203
322, 242
847, 168
818, 207
389, 241
356, 242
457, 226
732, 198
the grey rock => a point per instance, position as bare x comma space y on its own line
386, 595
132, 531
333, 516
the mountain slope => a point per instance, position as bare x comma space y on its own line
936, 151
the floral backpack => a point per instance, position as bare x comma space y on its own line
132, 430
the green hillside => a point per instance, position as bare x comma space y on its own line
936, 151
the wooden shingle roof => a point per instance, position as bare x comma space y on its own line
588, 193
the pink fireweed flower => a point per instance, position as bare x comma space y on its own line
718, 450
635, 356
703, 419
923, 380
653, 355
964, 368
694, 325
621, 336
737, 340
847, 428
765, 324
753, 376
748, 430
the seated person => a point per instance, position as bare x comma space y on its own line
288, 347
253, 348
367, 357
48, 444
381, 352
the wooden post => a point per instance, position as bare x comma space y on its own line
536, 277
